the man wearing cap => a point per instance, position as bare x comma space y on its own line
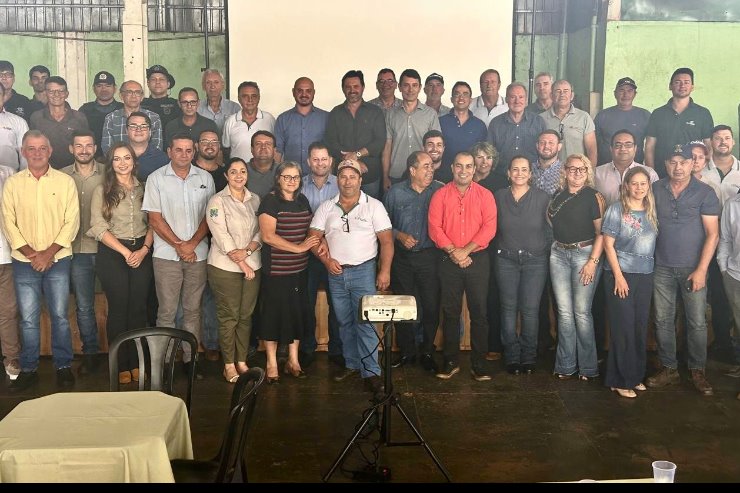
434, 88
543, 91
12, 130
58, 122
14, 102
300, 126
489, 104
189, 122
353, 224
515, 132
688, 213
104, 87
37, 75
623, 116
461, 130
576, 127
405, 127
215, 106
386, 86
115, 130
159, 81
679, 121
242, 126
608, 177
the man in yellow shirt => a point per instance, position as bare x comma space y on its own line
41, 216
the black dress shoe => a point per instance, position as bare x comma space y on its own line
428, 363
345, 373
529, 368
198, 370
25, 380
65, 378
305, 359
374, 384
403, 361
513, 369
90, 364
338, 360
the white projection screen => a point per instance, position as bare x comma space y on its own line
275, 42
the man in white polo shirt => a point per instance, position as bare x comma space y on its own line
240, 127
351, 222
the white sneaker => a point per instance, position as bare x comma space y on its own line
13, 370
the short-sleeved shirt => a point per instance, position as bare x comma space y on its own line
259, 182
547, 179
182, 204
409, 211
729, 184
294, 132
167, 108
572, 215
18, 104
397, 103
218, 175
127, 220
634, 239
459, 138
176, 126
315, 195
406, 130
522, 224
237, 134
478, 107
608, 179
573, 127
365, 220
59, 133
227, 108
5, 173
682, 234
515, 139
114, 129
151, 161
671, 128
293, 218
12, 130
86, 185
95, 114
611, 120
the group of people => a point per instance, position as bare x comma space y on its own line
236, 219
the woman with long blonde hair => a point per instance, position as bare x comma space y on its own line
629, 229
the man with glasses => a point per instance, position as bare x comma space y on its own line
489, 104
37, 76
261, 167
460, 127
189, 122
12, 130
242, 126
386, 85
58, 122
159, 81
14, 102
138, 131
679, 121
624, 115
115, 130
354, 224
215, 106
576, 127
608, 177
688, 212
104, 87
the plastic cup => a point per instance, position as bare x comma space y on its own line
663, 471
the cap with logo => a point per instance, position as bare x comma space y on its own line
349, 163
159, 69
104, 77
681, 150
434, 76
626, 81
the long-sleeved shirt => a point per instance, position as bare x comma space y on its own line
114, 129
127, 220
456, 219
409, 211
39, 212
59, 133
294, 132
728, 251
227, 108
12, 130
5, 173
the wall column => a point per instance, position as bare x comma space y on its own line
135, 39
72, 65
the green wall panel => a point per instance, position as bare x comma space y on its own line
24, 52
545, 56
104, 52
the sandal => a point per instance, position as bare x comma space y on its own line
230, 373
241, 367
563, 377
271, 379
628, 393
641, 387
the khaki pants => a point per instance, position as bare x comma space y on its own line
9, 338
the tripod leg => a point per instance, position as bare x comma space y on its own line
349, 445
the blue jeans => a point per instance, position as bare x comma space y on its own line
83, 286
576, 338
317, 275
209, 323
665, 282
30, 287
359, 340
521, 279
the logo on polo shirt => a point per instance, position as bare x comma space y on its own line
691, 122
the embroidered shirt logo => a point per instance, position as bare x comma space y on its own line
213, 212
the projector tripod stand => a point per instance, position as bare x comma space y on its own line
389, 400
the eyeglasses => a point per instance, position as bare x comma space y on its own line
133, 126
291, 178
205, 142
193, 102
625, 145
386, 81
56, 92
562, 127
461, 95
573, 170
132, 93
345, 222
6, 75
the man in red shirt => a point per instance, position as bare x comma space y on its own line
462, 222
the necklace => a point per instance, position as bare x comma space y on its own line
552, 211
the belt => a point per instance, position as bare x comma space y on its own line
350, 266
129, 241
573, 246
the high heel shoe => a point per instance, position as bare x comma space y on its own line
273, 379
230, 373
290, 370
641, 387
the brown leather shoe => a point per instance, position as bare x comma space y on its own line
700, 382
135, 374
666, 376
124, 377
492, 356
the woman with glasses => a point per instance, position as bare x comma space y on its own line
234, 264
630, 229
123, 260
575, 215
284, 218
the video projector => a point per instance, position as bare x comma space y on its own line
388, 307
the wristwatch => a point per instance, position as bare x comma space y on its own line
358, 154
249, 252
594, 260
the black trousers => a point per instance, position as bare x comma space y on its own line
473, 281
494, 308
415, 274
721, 311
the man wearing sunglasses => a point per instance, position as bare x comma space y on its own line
189, 122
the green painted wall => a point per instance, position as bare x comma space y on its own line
649, 52
105, 52
24, 52
545, 56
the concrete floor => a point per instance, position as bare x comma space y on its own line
513, 429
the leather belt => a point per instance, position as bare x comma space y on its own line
573, 246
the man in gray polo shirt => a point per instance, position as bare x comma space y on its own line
261, 167
688, 212
405, 127
576, 127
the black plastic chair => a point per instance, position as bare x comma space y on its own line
223, 467
156, 348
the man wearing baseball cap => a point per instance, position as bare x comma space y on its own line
104, 87
353, 224
622, 116
434, 88
159, 81
688, 213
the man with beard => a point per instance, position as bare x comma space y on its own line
190, 122
104, 87
297, 128
546, 170
461, 129
87, 175
415, 259
434, 145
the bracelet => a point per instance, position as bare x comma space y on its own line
594, 259
149, 249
